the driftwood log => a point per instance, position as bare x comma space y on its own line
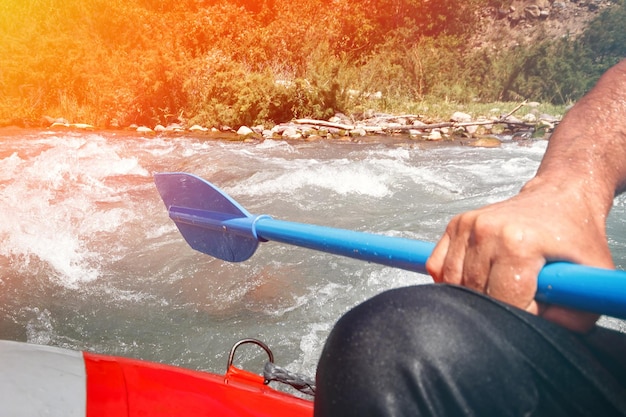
374, 125
399, 128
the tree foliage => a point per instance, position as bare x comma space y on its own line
116, 62
606, 36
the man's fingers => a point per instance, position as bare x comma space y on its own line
513, 282
476, 268
446, 262
434, 264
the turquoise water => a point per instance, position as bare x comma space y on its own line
90, 260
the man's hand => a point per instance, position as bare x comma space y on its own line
500, 249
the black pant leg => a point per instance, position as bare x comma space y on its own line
438, 350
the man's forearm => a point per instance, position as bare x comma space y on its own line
588, 148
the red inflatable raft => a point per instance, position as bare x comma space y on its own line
48, 381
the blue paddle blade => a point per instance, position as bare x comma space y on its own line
209, 220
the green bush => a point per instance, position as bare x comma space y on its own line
221, 90
606, 36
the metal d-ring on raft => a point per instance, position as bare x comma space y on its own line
273, 372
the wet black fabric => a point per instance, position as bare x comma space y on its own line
440, 350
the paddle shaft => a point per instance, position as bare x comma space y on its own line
385, 250
579, 287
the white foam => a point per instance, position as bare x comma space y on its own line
340, 177
58, 202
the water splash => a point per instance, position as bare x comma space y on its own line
57, 200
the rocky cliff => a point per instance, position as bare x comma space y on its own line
526, 21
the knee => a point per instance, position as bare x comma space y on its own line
393, 347
418, 323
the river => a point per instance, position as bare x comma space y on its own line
90, 260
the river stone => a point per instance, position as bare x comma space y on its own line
291, 133
434, 135
245, 131
309, 131
358, 132
415, 133
198, 128
144, 129
471, 129
487, 142
460, 117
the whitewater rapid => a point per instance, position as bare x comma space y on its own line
90, 260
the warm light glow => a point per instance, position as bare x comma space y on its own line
117, 62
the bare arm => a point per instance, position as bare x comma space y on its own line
560, 214
590, 143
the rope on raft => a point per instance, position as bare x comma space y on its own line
304, 384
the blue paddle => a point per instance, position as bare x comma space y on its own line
213, 223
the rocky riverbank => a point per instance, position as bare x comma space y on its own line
524, 122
